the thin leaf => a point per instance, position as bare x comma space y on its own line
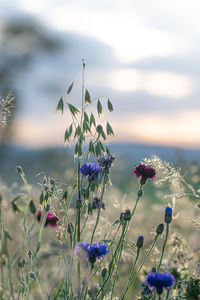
70, 130
107, 151
78, 131
60, 105
91, 147
73, 109
86, 127
76, 150
70, 88
67, 136
98, 149
99, 107
87, 97
92, 120
86, 119
109, 129
109, 104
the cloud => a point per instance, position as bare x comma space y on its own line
177, 129
158, 83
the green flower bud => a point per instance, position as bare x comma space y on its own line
78, 204
19, 169
140, 193
32, 207
99, 129
143, 180
127, 215
32, 275
103, 273
140, 241
23, 262
70, 228
30, 253
160, 228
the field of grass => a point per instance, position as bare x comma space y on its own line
85, 226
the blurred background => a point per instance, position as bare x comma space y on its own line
143, 55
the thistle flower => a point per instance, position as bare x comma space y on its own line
91, 170
91, 251
51, 219
144, 172
96, 203
159, 281
106, 162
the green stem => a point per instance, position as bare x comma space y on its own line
99, 211
164, 246
131, 274
167, 295
117, 268
111, 265
145, 259
113, 240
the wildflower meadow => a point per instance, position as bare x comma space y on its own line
81, 238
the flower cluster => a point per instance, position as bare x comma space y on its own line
159, 281
91, 251
144, 171
91, 170
51, 220
106, 162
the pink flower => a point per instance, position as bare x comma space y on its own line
51, 220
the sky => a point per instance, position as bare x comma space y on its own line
143, 55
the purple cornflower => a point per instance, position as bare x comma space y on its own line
159, 281
91, 251
91, 170
106, 162
51, 219
144, 171
96, 203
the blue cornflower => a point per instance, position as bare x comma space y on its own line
91, 251
159, 281
91, 170
168, 214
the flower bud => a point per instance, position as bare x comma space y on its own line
168, 215
19, 169
92, 259
47, 208
32, 207
30, 253
32, 275
143, 180
159, 229
122, 215
153, 270
99, 129
70, 228
127, 215
140, 241
78, 204
52, 181
23, 262
103, 273
140, 193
